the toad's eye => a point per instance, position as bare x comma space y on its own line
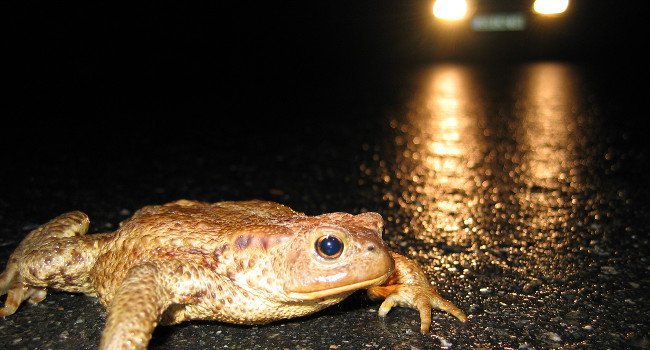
329, 247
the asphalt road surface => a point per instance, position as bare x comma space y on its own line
522, 190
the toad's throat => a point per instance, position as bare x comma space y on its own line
339, 290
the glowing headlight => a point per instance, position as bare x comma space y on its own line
450, 9
550, 7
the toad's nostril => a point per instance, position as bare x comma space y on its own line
371, 247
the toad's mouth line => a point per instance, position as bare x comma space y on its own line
339, 290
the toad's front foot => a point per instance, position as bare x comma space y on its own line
409, 287
419, 298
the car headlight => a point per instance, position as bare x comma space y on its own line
450, 9
550, 7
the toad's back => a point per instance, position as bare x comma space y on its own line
198, 220
185, 230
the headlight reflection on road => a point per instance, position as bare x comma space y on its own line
548, 123
549, 140
440, 145
491, 177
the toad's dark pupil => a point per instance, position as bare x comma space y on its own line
330, 246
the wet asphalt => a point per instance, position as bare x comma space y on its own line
521, 189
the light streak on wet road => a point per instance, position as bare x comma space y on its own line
500, 183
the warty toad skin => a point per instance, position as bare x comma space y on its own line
248, 262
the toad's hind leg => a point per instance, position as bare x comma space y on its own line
53, 255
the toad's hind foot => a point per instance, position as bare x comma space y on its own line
40, 258
19, 293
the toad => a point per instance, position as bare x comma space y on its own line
248, 262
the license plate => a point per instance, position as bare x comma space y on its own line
499, 22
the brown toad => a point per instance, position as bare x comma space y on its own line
248, 262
